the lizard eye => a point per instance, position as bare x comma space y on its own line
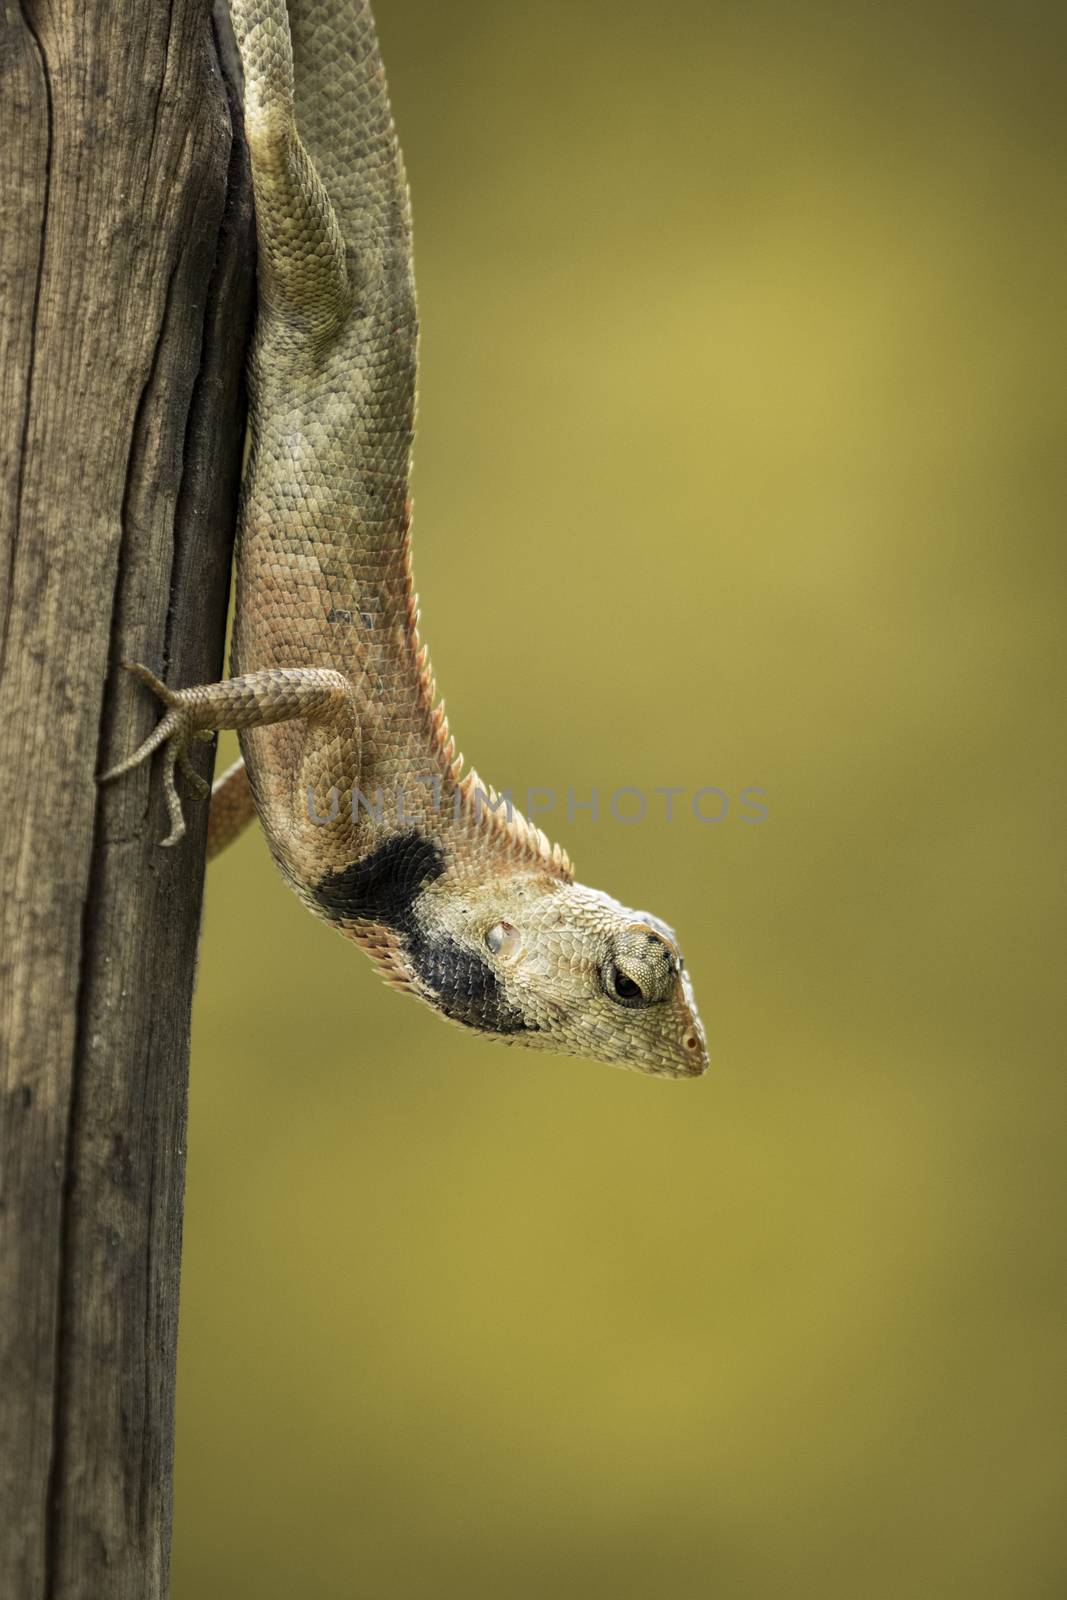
504, 940
622, 988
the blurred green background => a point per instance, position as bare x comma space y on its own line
741, 462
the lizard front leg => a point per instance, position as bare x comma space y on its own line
233, 807
322, 698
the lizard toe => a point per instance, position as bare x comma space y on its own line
157, 686
200, 785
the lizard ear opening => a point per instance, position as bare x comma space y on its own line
504, 940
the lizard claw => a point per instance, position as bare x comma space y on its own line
157, 686
173, 731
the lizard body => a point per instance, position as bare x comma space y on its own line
347, 756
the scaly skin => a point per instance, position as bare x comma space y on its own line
464, 906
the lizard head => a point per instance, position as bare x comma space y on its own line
533, 959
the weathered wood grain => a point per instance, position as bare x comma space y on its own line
125, 280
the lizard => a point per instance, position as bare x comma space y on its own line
458, 899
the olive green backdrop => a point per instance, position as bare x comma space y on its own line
740, 463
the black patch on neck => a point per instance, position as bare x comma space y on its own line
384, 886
466, 986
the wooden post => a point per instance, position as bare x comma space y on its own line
125, 279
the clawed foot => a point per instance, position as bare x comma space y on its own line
179, 725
